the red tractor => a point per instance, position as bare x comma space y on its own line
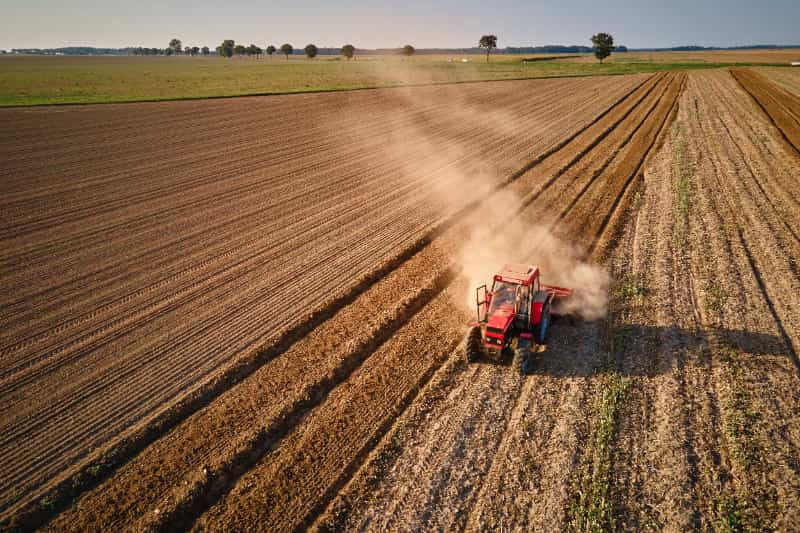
517, 308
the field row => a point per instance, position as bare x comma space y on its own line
711, 333
130, 289
337, 399
457, 472
288, 364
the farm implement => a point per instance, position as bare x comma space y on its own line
515, 314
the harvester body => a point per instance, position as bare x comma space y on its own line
514, 313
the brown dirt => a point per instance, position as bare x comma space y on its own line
370, 420
788, 78
780, 105
712, 412
441, 450
160, 277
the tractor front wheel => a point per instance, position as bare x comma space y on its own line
522, 356
473, 349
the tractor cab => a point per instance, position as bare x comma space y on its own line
505, 309
516, 308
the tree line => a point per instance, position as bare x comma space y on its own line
603, 45
229, 48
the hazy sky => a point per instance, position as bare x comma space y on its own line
644, 23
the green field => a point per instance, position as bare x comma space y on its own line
37, 80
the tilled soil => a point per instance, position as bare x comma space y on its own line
462, 488
788, 78
139, 262
430, 264
782, 106
708, 435
685, 186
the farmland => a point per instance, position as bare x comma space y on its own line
249, 313
37, 80
776, 55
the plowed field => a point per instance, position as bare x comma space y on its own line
249, 314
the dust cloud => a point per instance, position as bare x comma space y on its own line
444, 139
506, 237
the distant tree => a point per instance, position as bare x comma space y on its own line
408, 50
205, 50
603, 45
287, 49
240, 50
311, 51
169, 51
195, 50
348, 51
226, 48
489, 42
271, 50
254, 50
175, 45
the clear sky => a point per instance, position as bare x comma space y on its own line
637, 24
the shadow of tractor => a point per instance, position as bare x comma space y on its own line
577, 348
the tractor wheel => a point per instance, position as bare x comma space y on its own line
522, 356
540, 330
473, 348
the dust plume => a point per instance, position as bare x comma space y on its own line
449, 141
508, 238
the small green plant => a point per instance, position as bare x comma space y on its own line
683, 184
629, 288
715, 297
730, 517
593, 511
77, 481
739, 425
48, 503
9, 523
96, 470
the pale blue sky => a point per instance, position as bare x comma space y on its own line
646, 23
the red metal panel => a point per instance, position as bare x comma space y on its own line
536, 315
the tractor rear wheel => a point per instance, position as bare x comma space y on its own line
473, 349
540, 330
522, 356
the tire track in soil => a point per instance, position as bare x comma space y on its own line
782, 107
547, 504
766, 477
418, 508
606, 110
244, 481
678, 419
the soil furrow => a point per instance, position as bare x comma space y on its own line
183, 406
